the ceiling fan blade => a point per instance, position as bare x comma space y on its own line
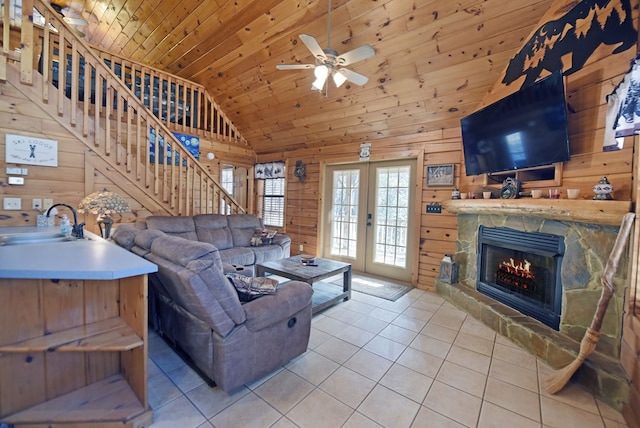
354, 77
312, 44
294, 66
355, 55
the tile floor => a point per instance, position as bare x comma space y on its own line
416, 362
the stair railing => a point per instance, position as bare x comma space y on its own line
89, 100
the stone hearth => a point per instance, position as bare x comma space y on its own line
589, 240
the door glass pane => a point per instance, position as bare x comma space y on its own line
344, 224
392, 215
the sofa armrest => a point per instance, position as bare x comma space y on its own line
284, 242
290, 298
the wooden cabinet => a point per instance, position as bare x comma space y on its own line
74, 352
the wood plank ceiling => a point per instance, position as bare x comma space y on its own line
435, 60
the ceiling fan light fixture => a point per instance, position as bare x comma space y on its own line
339, 78
321, 72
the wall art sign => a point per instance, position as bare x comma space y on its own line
189, 142
24, 149
440, 175
365, 151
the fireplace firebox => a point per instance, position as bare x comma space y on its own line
522, 270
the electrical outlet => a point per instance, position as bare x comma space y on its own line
36, 203
12, 203
301, 247
46, 203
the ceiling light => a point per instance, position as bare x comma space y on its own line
339, 78
321, 72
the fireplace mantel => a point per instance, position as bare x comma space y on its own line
583, 211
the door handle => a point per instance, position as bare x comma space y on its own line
369, 217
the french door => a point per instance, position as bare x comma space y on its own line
368, 216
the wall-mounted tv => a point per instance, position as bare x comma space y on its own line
525, 129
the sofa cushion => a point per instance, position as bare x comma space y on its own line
242, 256
124, 236
183, 227
266, 253
182, 251
214, 229
242, 228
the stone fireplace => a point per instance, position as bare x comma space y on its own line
549, 313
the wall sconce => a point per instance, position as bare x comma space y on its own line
103, 203
300, 170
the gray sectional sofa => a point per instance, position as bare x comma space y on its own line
230, 234
196, 308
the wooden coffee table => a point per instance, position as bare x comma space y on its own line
325, 294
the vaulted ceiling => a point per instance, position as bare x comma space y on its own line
434, 59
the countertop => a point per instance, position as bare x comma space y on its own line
89, 258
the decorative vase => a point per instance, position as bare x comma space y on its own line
603, 190
455, 194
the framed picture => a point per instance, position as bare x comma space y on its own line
440, 175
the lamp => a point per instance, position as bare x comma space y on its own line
103, 203
339, 78
321, 72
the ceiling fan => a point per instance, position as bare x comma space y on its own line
329, 62
71, 12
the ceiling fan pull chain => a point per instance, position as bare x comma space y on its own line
329, 24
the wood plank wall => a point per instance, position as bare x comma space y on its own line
79, 172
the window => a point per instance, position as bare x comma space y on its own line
273, 202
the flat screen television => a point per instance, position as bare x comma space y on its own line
525, 129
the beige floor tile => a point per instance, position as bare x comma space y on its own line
384, 347
398, 334
514, 375
167, 360
398, 306
492, 416
348, 386
417, 313
368, 364
345, 315
431, 346
355, 335
407, 382
337, 350
409, 323
576, 396
449, 316
469, 359
421, 362
453, 403
476, 328
474, 343
560, 415
185, 378
427, 418
318, 410
284, 390
178, 413
439, 332
364, 298
317, 338
329, 325
462, 378
518, 357
360, 306
608, 412
211, 401
313, 367
152, 369
432, 298
283, 422
513, 398
249, 411
389, 408
370, 324
358, 420
384, 314
161, 391
426, 305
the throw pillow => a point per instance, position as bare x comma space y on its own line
250, 287
262, 237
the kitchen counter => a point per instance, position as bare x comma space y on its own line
89, 258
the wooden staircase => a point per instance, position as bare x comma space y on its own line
104, 102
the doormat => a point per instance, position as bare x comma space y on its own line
377, 287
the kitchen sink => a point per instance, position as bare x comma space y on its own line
34, 238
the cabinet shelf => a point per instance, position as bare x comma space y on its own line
108, 400
112, 334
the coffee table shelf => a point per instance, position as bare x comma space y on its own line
325, 293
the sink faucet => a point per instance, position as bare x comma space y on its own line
77, 230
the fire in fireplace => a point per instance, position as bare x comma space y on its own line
522, 270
